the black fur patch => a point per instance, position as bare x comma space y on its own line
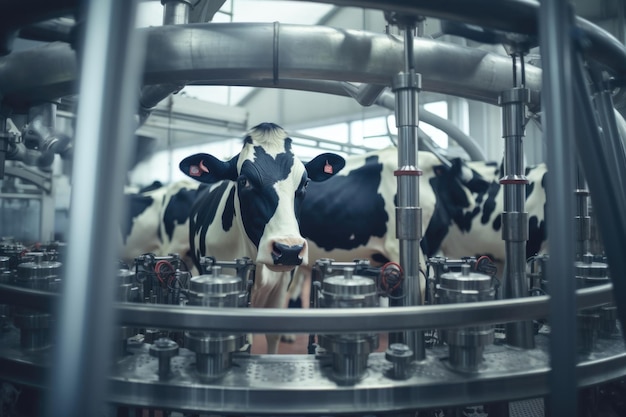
345, 211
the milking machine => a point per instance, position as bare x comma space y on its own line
205, 370
348, 352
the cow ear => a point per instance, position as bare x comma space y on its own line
207, 168
324, 166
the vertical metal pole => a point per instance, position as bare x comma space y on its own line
557, 56
582, 218
406, 85
111, 62
514, 218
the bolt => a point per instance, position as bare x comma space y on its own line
164, 349
400, 356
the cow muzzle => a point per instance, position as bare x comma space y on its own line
286, 255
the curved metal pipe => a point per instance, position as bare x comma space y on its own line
276, 320
520, 16
17, 14
245, 54
372, 95
465, 141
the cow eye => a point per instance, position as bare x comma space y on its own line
243, 182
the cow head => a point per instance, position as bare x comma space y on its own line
270, 183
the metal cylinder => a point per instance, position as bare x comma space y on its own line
214, 350
164, 350
35, 326
598, 320
406, 86
129, 289
6, 277
176, 12
349, 352
514, 217
466, 345
38, 274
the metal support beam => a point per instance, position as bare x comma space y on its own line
110, 71
558, 105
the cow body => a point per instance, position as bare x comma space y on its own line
352, 216
254, 212
468, 216
158, 221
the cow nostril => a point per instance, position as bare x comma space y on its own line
287, 254
276, 250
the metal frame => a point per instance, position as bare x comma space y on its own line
295, 61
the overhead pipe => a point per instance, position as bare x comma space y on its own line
52, 30
175, 12
518, 16
268, 54
15, 15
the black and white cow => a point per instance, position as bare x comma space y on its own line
468, 220
353, 215
255, 211
158, 221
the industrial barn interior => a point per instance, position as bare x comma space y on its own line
312, 208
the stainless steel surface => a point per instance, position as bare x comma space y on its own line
520, 16
300, 384
466, 345
363, 319
514, 216
582, 218
176, 12
348, 352
557, 55
248, 54
214, 350
406, 85
110, 58
318, 320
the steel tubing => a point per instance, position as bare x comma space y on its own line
557, 53
318, 320
519, 16
514, 217
269, 320
608, 199
406, 85
250, 54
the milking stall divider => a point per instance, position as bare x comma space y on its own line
209, 375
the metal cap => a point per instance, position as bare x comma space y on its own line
470, 281
215, 284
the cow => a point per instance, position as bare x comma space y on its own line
157, 221
254, 211
468, 215
353, 215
